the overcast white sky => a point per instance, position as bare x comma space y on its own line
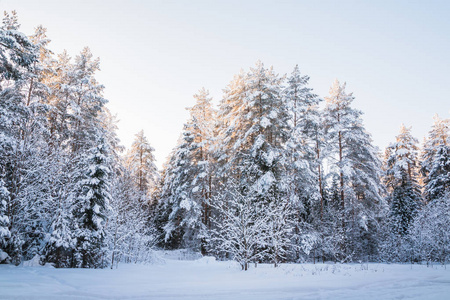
394, 55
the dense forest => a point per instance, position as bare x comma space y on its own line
274, 174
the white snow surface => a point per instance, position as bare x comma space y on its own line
206, 278
3, 255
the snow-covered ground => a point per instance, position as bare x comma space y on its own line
206, 278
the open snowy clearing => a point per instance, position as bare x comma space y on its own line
206, 278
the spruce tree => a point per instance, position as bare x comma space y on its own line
404, 198
435, 166
141, 162
91, 206
188, 191
402, 180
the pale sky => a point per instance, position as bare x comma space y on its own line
394, 55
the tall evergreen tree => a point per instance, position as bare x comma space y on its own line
435, 165
304, 147
83, 97
189, 189
254, 130
141, 162
91, 206
354, 161
402, 180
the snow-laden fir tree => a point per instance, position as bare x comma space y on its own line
141, 162
203, 115
435, 166
188, 182
304, 148
404, 198
253, 130
402, 180
354, 162
161, 208
91, 206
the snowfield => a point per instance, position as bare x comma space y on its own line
206, 278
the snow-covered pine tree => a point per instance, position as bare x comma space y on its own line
141, 162
203, 115
304, 123
354, 161
85, 101
35, 89
91, 206
404, 199
402, 180
304, 148
184, 222
162, 207
435, 166
59, 98
17, 52
253, 131
229, 122
188, 191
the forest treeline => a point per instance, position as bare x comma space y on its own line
273, 174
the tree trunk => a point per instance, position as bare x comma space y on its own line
320, 178
341, 179
341, 174
29, 92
